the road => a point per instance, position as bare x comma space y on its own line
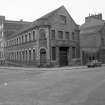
83, 86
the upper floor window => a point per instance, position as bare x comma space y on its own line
19, 39
29, 36
73, 36
42, 34
33, 35
60, 34
25, 37
14, 41
53, 34
22, 39
67, 35
77, 34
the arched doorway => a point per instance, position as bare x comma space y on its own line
42, 57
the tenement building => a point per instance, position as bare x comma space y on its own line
92, 39
52, 39
8, 27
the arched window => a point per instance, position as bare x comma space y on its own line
22, 39
17, 40
23, 55
26, 55
33, 54
29, 55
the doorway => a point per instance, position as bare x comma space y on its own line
42, 57
63, 56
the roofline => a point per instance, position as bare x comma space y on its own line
15, 21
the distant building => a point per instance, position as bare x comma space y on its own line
50, 40
8, 28
92, 39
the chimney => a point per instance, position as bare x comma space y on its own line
21, 20
96, 16
2, 18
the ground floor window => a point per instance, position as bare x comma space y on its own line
34, 54
53, 53
43, 57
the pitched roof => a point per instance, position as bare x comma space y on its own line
45, 17
51, 13
11, 27
40, 20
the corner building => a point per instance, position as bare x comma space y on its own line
52, 39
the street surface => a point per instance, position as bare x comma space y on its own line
76, 86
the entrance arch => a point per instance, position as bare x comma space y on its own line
43, 59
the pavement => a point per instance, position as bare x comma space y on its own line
43, 69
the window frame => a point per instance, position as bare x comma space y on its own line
53, 53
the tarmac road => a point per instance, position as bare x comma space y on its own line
83, 86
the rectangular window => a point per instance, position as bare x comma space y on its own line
60, 34
77, 35
22, 39
53, 34
29, 36
25, 37
53, 53
17, 41
73, 52
67, 35
73, 36
33, 35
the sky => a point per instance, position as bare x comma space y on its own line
30, 10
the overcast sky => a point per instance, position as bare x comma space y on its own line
30, 10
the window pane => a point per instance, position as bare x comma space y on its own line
42, 34
60, 34
33, 35
22, 39
34, 54
26, 38
73, 36
67, 35
53, 53
53, 34
29, 36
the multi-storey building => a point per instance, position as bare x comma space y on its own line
50, 40
92, 39
8, 28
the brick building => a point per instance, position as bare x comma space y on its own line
52, 39
92, 39
8, 28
